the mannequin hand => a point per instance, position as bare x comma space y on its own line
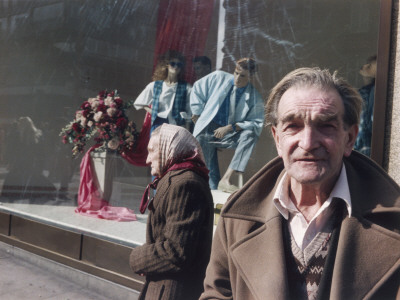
148, 109
219, 133
195, 118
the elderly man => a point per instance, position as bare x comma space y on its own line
228, 113
319, 222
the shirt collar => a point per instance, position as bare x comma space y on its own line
284, 205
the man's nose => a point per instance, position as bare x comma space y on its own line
309, 139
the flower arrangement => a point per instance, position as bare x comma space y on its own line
104, 120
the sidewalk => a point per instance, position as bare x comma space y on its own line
28, 276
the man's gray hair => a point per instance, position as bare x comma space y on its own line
315, 77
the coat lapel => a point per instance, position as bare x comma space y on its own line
259, 256
264, 271
364, 259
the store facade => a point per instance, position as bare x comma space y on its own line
55, 54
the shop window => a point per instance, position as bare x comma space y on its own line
63, 52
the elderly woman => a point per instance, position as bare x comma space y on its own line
166, 98
180, 221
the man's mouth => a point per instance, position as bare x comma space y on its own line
307, 159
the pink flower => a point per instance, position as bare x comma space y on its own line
85, 105
102, 94
118, 102
102, 107
121, 123
76, 127
105, 114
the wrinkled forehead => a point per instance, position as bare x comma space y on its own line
310, 103
153, 143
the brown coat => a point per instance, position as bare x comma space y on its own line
248, 259
178, 238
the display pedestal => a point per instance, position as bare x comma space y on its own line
104, 164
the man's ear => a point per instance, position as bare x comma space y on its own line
275, 134
352, 133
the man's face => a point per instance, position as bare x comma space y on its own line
200, 69
153, 157
241, 77
310, 135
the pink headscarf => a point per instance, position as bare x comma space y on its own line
178, 149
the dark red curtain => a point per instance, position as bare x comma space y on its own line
183, 26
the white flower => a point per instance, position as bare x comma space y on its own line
78, 115
108, 101
111, 111
83, 121
97, 116
113, 144
95, 103
91, 100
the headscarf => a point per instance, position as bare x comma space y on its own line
177, 149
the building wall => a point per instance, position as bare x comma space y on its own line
392, 144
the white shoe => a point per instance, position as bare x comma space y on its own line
227, 188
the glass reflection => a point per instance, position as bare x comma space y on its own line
26, 173
56, 54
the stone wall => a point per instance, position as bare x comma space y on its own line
392, 143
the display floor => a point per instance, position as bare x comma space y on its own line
61, 212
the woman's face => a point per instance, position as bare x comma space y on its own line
153, 158
174, 66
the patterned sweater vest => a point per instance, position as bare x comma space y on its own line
305, 269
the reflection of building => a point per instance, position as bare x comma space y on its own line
70, 48
54, 53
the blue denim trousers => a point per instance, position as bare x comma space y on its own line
244, 142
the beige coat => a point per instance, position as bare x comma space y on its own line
248, 258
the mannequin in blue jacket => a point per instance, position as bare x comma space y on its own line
228, 113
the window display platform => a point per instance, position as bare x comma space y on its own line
49, 227
130, 234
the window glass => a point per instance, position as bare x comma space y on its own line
56, 54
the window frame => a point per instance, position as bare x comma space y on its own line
381, 82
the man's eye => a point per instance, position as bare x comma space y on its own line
327, 126
291, 126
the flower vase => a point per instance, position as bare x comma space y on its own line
104, 164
